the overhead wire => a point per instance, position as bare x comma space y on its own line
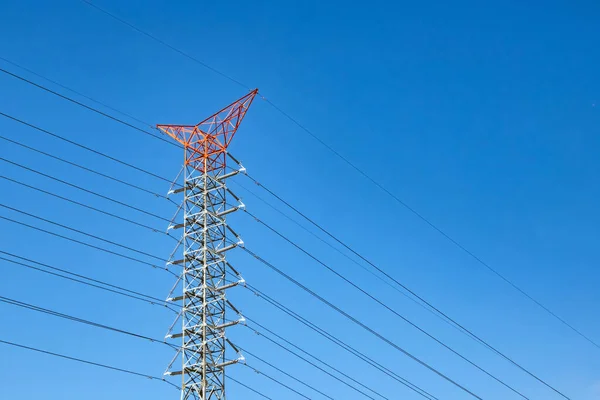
32, 307
254, 322
156, 301
14, 64
98, 210
54, 313
87, 148
216, 71
130, 293
83, 233
413, 324
312, 364
120, 121
360, 171
435, 309
93, 171
82, 205
386, 306
345, 255
291, 389
361, 324
88, 107
80, 360
111, 199
352, 350
246, 351
249, 388
86, 244
96, 282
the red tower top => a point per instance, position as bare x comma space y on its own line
206, 143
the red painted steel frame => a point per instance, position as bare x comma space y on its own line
206, 143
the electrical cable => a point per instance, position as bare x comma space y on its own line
83, 233
285, 373
87, 244
85, 190
216, 71
130, 126
381, 303
121, 291
127, 371
291, 389
254, 322
263, 296
84, 147
435, 309
249, 388
312, 364
14, 64
128, 184
339, 155
339, 251
155, 301
80, 320
362, 325
83, 205
133, 249
88, 107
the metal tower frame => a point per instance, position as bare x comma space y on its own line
205, 242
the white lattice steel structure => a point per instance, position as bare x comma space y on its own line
205, 242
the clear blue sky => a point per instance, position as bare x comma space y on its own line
483, 116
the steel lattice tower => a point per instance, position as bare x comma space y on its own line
205, 242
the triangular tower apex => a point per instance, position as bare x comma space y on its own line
219, 127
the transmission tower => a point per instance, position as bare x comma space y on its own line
205, 241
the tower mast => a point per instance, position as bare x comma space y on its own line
205, 242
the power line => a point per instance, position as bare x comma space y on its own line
413, 324
216, 71
362, 325
141, 252
88, 107
85, 190
83, 205
355, 353
249, 388
364, 268
154, 301
109, 287
128, 184
83, 233
313, 364
127, 371
360, 171
74, 143
381, 303
80, 320
78, 231
285, 373
86, 244
129, 333
339, 342
74, 91
80, 104
291, 389
435, 309
445, 235
465, 330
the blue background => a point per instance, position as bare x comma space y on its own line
483, 116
